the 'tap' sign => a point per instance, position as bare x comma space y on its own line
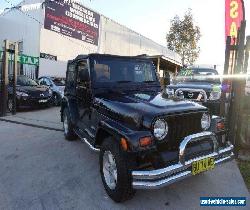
234, 16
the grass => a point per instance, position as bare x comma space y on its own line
244, 167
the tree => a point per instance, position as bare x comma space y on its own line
183, 38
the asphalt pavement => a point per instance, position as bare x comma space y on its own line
44, 118
41, 170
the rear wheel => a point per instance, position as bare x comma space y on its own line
68, 126
115, 172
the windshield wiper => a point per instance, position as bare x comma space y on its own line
123, 81
149, 81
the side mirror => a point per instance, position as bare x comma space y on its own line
84, 75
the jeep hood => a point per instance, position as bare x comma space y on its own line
139, 109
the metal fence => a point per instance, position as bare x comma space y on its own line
26, 65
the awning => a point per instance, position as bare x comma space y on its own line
165, 63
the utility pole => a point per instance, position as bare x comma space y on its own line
5, 81
15, 77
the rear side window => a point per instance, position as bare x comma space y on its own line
71, 78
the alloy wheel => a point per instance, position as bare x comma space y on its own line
65, 124
109, 170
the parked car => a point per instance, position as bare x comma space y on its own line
145, 139
57, 85
198, 84
28, 94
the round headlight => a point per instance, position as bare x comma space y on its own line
205, 121
180, 94
215, 95
160, 129
170, 91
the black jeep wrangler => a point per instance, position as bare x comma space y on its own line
146, 140
201, 85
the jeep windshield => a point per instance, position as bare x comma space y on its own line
109, 71
198, 74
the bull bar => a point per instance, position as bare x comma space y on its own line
154, 179
192, 90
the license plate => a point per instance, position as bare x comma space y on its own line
42, 101
202, 165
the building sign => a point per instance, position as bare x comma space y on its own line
30, 60
48, 56
72, 19
23, 59
233, 17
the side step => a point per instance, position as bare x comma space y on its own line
83, 138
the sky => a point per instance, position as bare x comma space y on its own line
151, 18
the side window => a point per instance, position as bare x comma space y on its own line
71, 77
82, 69
42, 82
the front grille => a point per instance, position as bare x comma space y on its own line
194, 95
190, 95
180, 126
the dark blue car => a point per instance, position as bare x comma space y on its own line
56, 84
28, 94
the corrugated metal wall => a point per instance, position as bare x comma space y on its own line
114, 38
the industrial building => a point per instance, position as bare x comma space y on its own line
57, 31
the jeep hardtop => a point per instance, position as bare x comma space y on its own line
145, 139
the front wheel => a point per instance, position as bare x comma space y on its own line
68, 126
115, 172
10, 104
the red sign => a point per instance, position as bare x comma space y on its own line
72, 19
234, 16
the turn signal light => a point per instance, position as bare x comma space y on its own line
124, 144
220, 126
145, 141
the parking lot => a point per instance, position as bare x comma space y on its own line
40, 170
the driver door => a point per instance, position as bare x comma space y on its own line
84, 98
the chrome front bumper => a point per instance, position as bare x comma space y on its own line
155, 179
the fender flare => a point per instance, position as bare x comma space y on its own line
118, 130
111, 128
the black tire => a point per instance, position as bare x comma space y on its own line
69, 130
123, 190
10, 105
56, 99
